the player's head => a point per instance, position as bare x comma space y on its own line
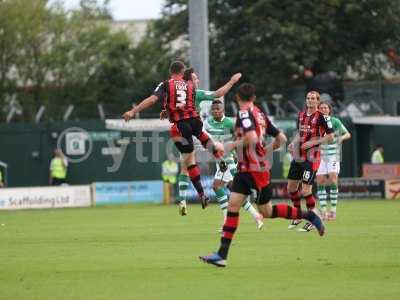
57, 152
313, 99
177, 68
325, 108
246, 93
217, 109
190, 74
380, 147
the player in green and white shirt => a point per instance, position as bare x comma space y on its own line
202, 99
221, 129
329, 168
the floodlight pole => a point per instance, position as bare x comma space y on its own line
199, 47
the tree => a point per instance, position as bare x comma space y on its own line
271, 41
53, 57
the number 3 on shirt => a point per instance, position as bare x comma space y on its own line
180, 98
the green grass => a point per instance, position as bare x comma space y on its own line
149, 252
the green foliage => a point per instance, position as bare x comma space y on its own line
271, 41
54, 57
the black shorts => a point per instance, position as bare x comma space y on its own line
302, 171
243, 183
183, 131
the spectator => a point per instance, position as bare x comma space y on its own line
169, 175
58, 168
377, 155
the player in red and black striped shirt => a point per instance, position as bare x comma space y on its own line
313, 129
253, 173
178, 97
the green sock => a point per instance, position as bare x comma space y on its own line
322, 197
333, 196
222, 199
183, 186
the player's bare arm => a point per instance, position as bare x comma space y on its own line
294, 142
226, 88
278, 141
344, 137
146, 103
328, 138
249, 138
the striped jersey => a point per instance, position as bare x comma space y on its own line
312, 126
221, 131
333, 149
178, 99
253, 159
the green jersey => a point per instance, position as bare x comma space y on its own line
203, 102
221, 131
333, 148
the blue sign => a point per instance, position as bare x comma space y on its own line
128, 192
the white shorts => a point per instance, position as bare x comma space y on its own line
227, 175
329, 164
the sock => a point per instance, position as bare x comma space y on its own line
183, 186
250, 208
228, 231
208, 144
310, 201
285, 211
222, 200
295, 197
333, 196
322, 197
194, 174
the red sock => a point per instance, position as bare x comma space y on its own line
228, 231
208, 144
310, 201
285, 211
204, 139
295, 197
194, 174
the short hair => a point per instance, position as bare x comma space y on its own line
176, 67
216, 102
327, 104
246, 91
316, 94
187, 75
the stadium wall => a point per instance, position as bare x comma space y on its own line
28, 149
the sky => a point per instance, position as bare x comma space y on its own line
130, 9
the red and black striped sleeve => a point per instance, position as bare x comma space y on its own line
326, 123
298, 121
246, 121
271, 129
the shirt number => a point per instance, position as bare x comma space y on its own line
306, 175
181, 98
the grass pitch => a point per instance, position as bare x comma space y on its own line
150, 252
